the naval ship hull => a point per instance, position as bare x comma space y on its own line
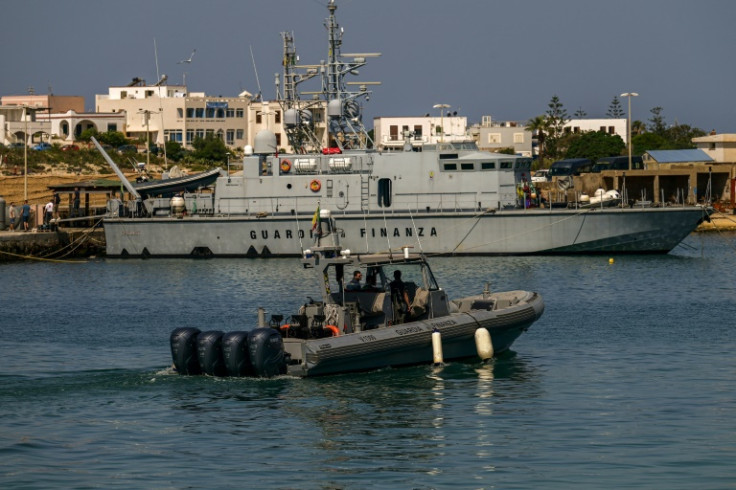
507, 232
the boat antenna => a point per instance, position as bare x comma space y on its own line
160, 104
258, 82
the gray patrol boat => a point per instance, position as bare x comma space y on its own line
446, 198
400, 316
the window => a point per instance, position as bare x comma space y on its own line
467, 166
418, 131
239, 134
200, 133
149, 93
230, 140
210, 113
238, 112
494, 138
199, 112
603, 129
277, 117
488, 165
230, 113
220, 113
393, 132
507, 164
112, 127
384, 193
518, 138
278, 139
190, 112
190, 135
576, 129
259, 117
179, 112
124, 94
450, 166
611, 130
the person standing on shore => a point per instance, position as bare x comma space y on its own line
48, 212
25, 214
13, 215
57, 201
75, 203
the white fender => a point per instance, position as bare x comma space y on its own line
483, 344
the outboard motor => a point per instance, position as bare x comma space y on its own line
267, 352
209, 349
235, 354
183, 342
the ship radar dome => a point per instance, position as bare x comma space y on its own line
265, 143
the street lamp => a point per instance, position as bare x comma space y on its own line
629, 95
441, 107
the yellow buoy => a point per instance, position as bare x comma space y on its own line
610, 261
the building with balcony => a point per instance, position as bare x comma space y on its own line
391, 132
162, 113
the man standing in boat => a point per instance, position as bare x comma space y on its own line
399, 297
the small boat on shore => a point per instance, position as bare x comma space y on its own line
400, 316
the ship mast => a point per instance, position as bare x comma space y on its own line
344, 123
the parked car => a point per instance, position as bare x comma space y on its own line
69, 148
42, 146
16, 145
618, 163
571, 166
127, 149
541, 175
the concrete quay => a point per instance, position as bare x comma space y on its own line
59, 245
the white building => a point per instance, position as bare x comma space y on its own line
172, 113
493, 136
720, 147
606, 125
388, 132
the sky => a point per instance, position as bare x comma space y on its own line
503, 58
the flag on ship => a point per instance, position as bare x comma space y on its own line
315, 218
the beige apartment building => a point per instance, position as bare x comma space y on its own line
171, 113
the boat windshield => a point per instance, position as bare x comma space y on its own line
378, 277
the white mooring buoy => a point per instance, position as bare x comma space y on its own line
483, 344
437, 347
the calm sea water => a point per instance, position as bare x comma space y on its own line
628, 380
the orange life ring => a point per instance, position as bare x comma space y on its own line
285, 166
315, 185
332, 328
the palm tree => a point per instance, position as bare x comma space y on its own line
538, 125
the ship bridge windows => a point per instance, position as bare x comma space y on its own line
507, 164
467, 166
449, 166
488, 165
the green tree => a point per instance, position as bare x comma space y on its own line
615, 110
595, 145
647, 141
656, 122
580, 113
538, 125
174, 150
87, 135
210, 149
556, 118
681, 136
112, 138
